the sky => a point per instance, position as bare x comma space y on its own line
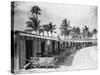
79, 15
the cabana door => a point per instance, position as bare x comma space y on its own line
42, 48
28, 49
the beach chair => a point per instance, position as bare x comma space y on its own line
43, 62
35, 62
51, 62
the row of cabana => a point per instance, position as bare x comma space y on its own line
28, 45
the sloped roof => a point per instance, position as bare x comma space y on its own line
22, 33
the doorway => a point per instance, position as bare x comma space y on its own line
42, 48
28, 50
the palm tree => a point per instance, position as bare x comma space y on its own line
65, 27
78, 33
94, 31
85, 32
36, 11
34, 23
89, 34
46, 28
52, 28
78, 30
74, 33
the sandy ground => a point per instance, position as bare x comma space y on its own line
85, 58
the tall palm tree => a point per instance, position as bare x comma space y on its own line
36, 11
34, 23
52, 28
65, 27
85, 32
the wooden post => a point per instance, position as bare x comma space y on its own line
35, 47
56, 50
51, 47
83, 44
46, 47
67, 44
59, 48
22, 55
56, 47
79, 45
39, 45
16, 53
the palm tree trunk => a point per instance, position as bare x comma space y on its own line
37, 17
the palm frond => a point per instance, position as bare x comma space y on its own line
29, 24
35, 10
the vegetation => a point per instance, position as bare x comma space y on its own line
66, 29
33, 22
94, 31
49, 28
52, 28
75, 33
46, 28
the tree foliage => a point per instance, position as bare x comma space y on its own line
33, 22
65, 27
